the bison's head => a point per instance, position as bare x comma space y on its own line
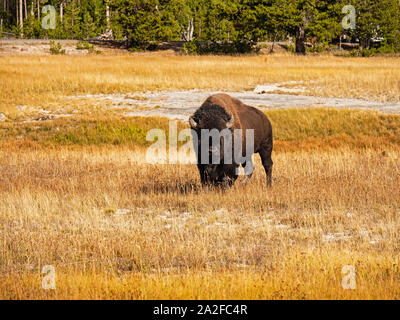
219, 123
212, 128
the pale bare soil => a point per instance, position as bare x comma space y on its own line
181, 104
28, 47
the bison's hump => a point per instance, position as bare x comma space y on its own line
219, 105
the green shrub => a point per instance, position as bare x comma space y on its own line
291, 48
317, 49
212, 47
386, 49
56, 48
190, 47
83, 45
355, 53
368, 52
153, 46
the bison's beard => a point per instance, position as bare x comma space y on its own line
219, 175
212, 172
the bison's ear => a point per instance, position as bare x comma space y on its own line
193, 123
230, 123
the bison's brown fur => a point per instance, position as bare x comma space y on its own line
221, 111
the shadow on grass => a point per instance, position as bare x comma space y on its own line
173, 187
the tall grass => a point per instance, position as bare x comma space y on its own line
294, 129
75, 193
39, 80
114, 227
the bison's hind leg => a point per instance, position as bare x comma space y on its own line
265, 154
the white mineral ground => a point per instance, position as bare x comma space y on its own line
181, 104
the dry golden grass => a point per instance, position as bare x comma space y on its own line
325, 210
76, 194
46, 80
294, 130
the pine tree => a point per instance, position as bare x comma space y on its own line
88, 26
376, 19
139, 19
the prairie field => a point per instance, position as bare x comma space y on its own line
76, 192
46, 81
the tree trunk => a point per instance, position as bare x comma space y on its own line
26, 9
188, 34
300, 40
108, 15
273, 43
199, 35
38, 9
365, 43
61, 11
190, 29
17, 12
21, 18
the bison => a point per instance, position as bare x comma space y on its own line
223, 113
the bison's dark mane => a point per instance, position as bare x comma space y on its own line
209, 112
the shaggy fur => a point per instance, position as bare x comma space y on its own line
215, 113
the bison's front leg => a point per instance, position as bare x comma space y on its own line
228, 176
248, 170
203, 175
209, 175
205, 178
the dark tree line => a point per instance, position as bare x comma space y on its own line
75, 19
233, 23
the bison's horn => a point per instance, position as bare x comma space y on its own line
230, 123
193, 123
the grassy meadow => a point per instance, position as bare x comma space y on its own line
47, 81
76, 193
